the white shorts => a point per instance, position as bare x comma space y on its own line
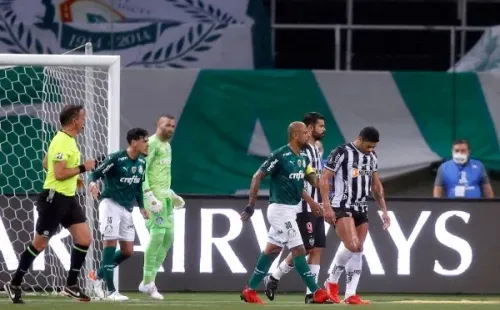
115, 222
284, 230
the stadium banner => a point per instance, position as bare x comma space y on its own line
432, 246
145, 33
228, 121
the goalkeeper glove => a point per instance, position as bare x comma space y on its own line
155, 205
178, 201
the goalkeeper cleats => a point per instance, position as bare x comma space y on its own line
14, 293
151, 290
97, 284
115, 296
75, 292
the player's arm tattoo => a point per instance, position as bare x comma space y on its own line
254, 187
324, 184
378, 191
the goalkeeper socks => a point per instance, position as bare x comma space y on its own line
261, 268
282, 270
353, 273
151, 253
340, 260
27, 258
161, 255
108, 267
305, 273
78, 254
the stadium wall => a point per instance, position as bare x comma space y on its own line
230, 120
433, 246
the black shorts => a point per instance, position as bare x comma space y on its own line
63, 210
359, 217
312, 230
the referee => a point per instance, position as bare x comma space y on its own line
57, 205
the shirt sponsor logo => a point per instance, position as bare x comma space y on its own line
132, 180
297, 176
272, 164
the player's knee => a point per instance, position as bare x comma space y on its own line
298, 251
85, 241
353, 245
40, 243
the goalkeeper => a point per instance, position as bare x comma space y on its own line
160, 201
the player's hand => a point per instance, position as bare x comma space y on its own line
317, 209
179, 203
328, 214
155, 206
79, 183
247, 214
94, 189
144, 213
386, 220
89, 164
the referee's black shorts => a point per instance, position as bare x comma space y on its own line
312, 230
63, 210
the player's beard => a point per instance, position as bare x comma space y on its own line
318, 136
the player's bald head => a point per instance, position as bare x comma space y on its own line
294, 128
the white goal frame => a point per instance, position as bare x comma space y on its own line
111, 62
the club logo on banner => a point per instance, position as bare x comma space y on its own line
142, 39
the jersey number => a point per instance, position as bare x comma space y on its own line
309, 227
288, 225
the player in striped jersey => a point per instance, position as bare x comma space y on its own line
312, 226
354, 168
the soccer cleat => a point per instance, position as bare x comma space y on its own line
97, 284
356, 300
333, 291
115, 296
151, 290
271, 285
320, 296
75, 292
309, 299
14, 292
250, 296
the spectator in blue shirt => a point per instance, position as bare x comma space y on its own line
462, 177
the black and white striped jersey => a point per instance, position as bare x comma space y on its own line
315, 160
353, 176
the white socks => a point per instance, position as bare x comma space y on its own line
315, 272
353, 273
340, 261
282, 270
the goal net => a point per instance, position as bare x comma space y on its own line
33, 90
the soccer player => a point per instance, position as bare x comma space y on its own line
122, 173
287, 166
160, 201
57, 205
354, 168
312, 227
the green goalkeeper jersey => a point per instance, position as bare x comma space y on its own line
158, 180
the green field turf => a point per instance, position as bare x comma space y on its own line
217, 301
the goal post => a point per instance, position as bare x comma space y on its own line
33, 90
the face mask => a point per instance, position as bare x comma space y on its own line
460, 158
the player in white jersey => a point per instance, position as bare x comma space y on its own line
311, 226
354, 168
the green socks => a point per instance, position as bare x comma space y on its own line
261, 268
305, 273
118, 258
108, 267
